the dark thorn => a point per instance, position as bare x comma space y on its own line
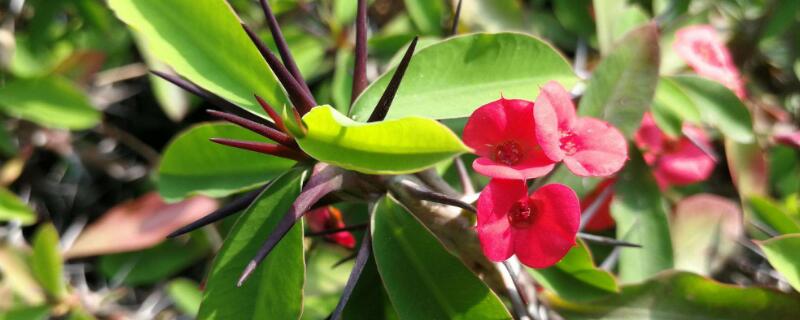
386, 99
283, 47
515, 294
327, 180
236, 205
360, 65
196, 90
463, 176
594, 207
361, 261
344, 260
454, 27
607, 241
300, 98
261, 129
702, 145
431, 196
334, 231
267, 148
272, 114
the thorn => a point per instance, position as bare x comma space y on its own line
267, 148
463, 176
361, 261
300, 98
236, 205
196, 90
431, 196
344, 260
272, 114
261, 129
251, 266
700, 144
386, 99
283, 47
607, 240
360, 65
454, 27
594, 207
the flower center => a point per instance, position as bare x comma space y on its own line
522, 214
568, 143
509, 153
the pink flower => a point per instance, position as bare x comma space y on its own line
702, 49
503, 134
791, 139
330, 218
588, 146
540, 228
675, 161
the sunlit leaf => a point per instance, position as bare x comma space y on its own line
51, 102
46, 262
186, 295
718, 106
575, 277
13, 209
783, 253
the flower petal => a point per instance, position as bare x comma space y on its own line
494, 230
530, 167
702, 49
600, 149
688, 164
553, 232
497, 122
554, 113
649, 138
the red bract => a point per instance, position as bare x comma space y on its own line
702, 49
599, 201
791, 139
540, 228
330, 218
588, 146
675, 161
503, 134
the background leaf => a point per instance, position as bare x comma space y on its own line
46, 261
12, 208
783, 253
704, 229
672, 107
204, 42
575, 277
51, 102
275, 288
622, 86
426, 15
387, 147
193, 165
454, 77
718, 107
423, 280
186, 295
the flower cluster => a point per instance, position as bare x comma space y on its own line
518, 140
702, 49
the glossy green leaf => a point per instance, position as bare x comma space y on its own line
324, 282
718, 106
641, 215
51, 102
705, 229
454, 77
672, 107
174, 101
772, 215
783, 253
193, 165
369, 299
12, 208
48, 268
622, 87
426, 15
387, 147
186, 295
204, 42
423, 280
575, 277
275, 289
682, 295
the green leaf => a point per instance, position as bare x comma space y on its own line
174, 101
51, 102
388, 147
454, 77
426, 15
783, 253
641, 215
423, 280
155, 264
204, 42
186, 295
704, 229
369, 299
275, 289
7, 145
614, 20
672, 107
48, 268
771, 214
718, 106
12, 208
18, 276
40, 312
682, 295
575, 15
324, 282
193, 165
575, 277
622, 86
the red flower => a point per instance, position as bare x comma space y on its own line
330, 218
588, 146
675, 161
503, 134
600, 202
540, 228
702, 49
791, 139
